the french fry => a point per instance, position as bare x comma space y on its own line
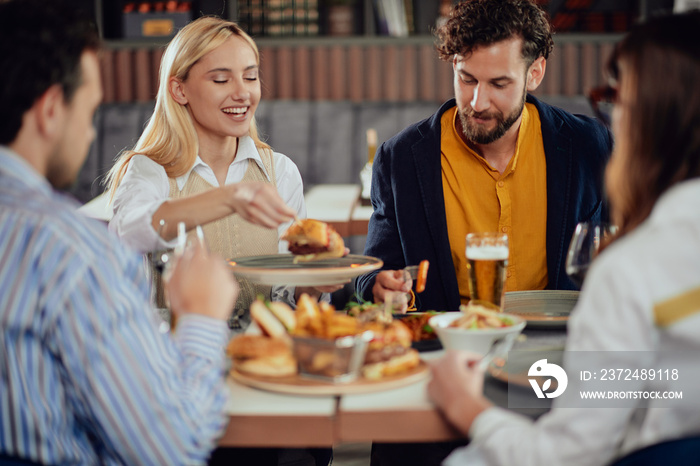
326, 308
422, 276
308, 316
341, 326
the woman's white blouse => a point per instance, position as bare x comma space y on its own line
625, 289
145, 187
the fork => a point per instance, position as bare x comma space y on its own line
411, 271
181, 239
397, 299
499, 346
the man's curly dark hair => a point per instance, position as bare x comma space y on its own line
477, 23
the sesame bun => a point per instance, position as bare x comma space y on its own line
389, 352
308, 231
311, 239
261, 355
394, 333
392, 366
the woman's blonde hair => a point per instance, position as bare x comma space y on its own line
170, 138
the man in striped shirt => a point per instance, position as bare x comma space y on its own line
85, 376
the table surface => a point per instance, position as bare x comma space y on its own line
99, 208
266, 419
339, 205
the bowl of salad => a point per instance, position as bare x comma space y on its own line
474, 328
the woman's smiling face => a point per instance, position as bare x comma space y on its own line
222, 90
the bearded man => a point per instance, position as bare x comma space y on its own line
493, 159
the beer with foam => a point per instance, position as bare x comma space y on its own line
487, 260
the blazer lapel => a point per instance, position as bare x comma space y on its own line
427, 159
558, 152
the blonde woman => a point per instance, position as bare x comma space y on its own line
200, 160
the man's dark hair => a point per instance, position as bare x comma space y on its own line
477, 23
41, 43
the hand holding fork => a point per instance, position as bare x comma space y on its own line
196, 281
398, 301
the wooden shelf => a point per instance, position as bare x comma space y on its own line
364, 40
357, 69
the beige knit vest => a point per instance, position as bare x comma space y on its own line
233, 236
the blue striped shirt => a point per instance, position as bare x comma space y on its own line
85, 376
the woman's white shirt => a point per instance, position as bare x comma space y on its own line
145, 187
615, 314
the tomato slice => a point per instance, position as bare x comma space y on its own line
422, 276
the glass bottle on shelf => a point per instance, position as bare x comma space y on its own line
366, 172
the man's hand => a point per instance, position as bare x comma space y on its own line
457, 388
259, 203
201, 283
390, 280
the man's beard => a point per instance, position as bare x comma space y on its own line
61, 175
480, 135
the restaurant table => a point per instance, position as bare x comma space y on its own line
498, 392
266, 419
99, 208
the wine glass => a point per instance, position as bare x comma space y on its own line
583, 248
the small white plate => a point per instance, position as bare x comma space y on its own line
541, 308
280, 269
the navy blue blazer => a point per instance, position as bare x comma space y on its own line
409, 225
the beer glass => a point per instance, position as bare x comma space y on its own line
487, 259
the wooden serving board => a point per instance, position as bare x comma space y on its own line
298, 385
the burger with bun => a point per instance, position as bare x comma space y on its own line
311, 240
389, 352
262, 356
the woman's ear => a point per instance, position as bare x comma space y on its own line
177, 91
535, 74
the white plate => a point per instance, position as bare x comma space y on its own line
280, 269
541, 308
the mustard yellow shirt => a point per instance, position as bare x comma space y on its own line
480, 199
